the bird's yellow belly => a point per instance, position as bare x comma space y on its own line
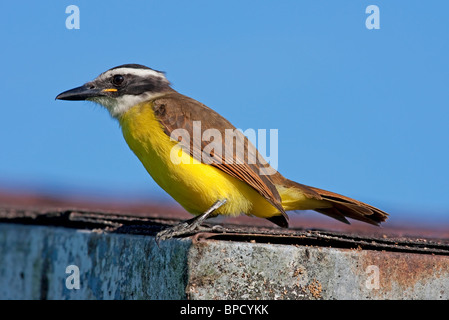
194, 185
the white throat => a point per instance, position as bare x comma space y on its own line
120, 105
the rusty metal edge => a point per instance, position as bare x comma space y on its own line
120, 223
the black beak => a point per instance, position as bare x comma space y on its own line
81, 93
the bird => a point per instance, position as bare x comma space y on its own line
160, 124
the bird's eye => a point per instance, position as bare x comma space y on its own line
118, 79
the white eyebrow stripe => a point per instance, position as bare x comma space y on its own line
133, 71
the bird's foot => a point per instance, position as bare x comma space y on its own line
184, 228
190, 226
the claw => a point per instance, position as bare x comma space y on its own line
188, 227
176, 231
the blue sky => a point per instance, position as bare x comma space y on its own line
360, 112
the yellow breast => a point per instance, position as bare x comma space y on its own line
195, 185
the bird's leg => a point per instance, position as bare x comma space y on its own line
189, 226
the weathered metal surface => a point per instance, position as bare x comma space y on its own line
236, 270
33, 262
118, 258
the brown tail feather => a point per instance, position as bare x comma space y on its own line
342, 206
334, 213
346, 207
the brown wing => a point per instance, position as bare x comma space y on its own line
176, 111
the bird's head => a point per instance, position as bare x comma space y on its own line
121, 88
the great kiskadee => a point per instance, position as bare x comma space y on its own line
151, 112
